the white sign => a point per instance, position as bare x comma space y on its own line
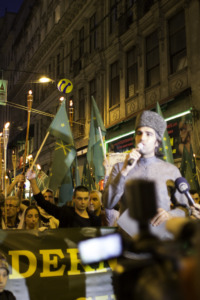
3, 91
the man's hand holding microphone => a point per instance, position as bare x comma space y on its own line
131, 159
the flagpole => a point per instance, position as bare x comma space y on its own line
29, 105
101, 138
46, 136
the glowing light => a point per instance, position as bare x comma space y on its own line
62, 99
7, 125
45, 79
38, 167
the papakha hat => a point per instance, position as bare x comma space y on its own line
3, 263
148, 118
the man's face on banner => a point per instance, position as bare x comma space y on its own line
184, 130
3, 279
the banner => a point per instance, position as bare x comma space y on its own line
46, 265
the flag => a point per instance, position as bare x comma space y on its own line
166, 145
76, 171
42, 179
65, 151
87, 179
95, 156
188, 168
66, 189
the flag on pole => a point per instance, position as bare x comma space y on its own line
65, 151
66, 189
87, 179
95, 153
166, 145
77, 175
188, 168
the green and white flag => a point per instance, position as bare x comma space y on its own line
65, 152
166, 145
95, 154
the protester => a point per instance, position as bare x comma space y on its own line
32, 219
48, 195
108, 216
19, 182
195, 196
76, 216
12, 206
146, 165
4, 271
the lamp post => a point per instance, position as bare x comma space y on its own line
5, 140
71, 112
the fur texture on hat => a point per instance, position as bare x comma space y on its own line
148, 118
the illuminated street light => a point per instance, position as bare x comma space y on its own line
45, 79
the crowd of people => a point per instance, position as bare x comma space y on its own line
109, 207
42, 212
91, 208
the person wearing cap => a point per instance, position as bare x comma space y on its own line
143, 163
4, 271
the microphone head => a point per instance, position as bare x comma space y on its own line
182, 185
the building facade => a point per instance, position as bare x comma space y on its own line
128, 54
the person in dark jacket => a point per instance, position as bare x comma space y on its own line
77, 216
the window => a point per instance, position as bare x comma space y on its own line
113, 14
132, 73
58, 64
81, 104
92, 92
114, 84
71, 55
128, 11
93, 33
81, 42
177, 42
152, 59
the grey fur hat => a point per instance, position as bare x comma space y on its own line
148, 118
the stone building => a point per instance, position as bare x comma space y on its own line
128, 54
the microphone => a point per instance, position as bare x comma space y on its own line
183, 187
140, 146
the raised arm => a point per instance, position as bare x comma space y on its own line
50, 208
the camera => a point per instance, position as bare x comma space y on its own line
148, 268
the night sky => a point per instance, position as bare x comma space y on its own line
10, 5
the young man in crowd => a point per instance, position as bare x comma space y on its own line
76, 216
